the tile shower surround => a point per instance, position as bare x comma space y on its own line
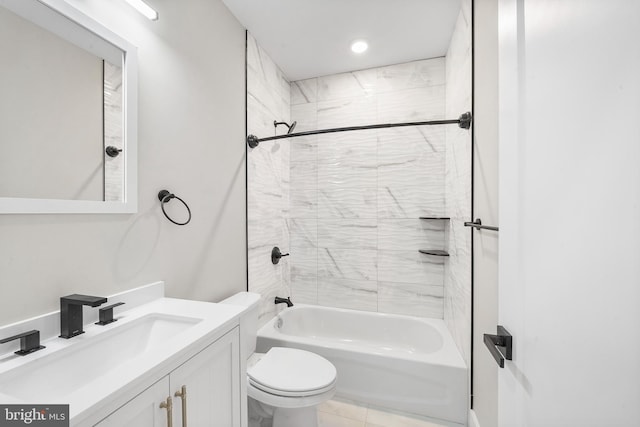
346, 205
457, 282
355, 197
113, 132
267, 179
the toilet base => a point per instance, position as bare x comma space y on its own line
262, 415
284, 417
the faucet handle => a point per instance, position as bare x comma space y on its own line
106, 314
29, 342
276, 254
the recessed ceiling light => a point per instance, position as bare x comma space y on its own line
359, 46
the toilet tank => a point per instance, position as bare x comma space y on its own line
248, 320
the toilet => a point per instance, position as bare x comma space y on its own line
283, 385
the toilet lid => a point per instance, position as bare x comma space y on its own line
290, 370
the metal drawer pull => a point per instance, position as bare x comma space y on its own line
182, 394
168, 405
500, 345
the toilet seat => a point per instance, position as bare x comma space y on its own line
290, 372
285, 402
284, 393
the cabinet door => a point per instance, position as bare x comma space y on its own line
142, 410
212, 382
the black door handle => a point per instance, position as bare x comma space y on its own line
500, 346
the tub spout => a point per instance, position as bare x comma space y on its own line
287, 300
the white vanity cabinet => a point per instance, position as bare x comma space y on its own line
211, 380
143, 410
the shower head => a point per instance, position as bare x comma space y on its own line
289, 126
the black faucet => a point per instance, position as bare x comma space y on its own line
71, 313
105, 314
287, 300
29, 342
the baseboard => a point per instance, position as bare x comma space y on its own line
473, 420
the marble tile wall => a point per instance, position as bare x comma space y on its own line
457, 286
268, 178
113, 132
355, 197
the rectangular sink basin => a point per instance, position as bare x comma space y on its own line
69, 369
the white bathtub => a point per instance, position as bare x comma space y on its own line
398, 362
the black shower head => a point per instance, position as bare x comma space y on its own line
290, 126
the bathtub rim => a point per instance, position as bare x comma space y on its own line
447, 356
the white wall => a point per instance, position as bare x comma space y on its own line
356, 197
485, 251
268, 179
569, 212
191, 141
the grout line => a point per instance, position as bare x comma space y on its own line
377, 98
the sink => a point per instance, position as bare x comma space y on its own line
97, 372
64, 372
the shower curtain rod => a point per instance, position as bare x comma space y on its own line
464, 121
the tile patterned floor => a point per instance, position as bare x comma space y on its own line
343, 413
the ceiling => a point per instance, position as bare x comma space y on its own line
311, 38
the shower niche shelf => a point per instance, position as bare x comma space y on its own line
434, 252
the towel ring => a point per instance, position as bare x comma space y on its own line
165, 196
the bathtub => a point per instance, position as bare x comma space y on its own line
404, 363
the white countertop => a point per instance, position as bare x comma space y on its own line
104, 376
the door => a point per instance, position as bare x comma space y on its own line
143, 410
211, 380
569, 274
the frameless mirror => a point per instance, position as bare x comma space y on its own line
67, 113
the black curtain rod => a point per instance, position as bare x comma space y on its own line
464, 121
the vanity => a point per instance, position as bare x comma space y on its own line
70, 135
164, 362
203, 391
70, 132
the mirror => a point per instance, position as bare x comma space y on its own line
67, 114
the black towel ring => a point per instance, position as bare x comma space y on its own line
165, 196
